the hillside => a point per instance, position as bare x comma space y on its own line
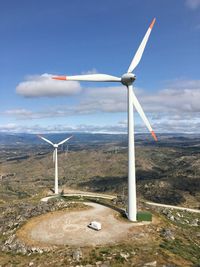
167, 172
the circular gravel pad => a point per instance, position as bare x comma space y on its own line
70, 227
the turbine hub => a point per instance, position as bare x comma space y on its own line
128, 78
55, 146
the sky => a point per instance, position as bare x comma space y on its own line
44, 38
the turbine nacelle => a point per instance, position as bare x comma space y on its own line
55, 145
128, 78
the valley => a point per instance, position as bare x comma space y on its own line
168, 172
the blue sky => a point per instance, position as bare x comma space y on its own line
41, 38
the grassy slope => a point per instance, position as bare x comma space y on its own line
164, 174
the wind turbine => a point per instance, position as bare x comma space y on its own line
126, 79
55, 157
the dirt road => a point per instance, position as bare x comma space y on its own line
172, 207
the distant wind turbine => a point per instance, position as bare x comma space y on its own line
126, 79
55, 157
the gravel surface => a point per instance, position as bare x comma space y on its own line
70, 227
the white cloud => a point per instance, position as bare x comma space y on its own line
59, 128
104, 99
165, 123
44, 86
8, 127
24, 114
18, 112
193, 4
180, 96
92, 71
94, 100
174, 108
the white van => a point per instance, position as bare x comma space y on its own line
95, 225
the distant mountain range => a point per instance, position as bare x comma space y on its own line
18, 139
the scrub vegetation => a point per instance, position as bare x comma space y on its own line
168, 172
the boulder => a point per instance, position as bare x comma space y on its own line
195, 222
152, 264
77, 254
167, 234
125, 255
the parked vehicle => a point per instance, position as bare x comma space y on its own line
95, 225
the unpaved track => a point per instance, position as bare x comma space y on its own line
172, 207
70, 227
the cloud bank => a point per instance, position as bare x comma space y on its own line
44, 86
175, 108
59, 128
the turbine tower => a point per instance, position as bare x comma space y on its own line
126, 79
55, 158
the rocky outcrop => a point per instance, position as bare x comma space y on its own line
12, 218
181, 217
15, 245
77, 254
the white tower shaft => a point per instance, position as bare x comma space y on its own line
56, 170
127, 79
132, 205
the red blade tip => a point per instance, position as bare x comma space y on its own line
152, 23
62, 78
154, 136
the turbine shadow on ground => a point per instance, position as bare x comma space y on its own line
113, 207
152, 191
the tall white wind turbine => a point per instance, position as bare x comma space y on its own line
55, 158
126, 79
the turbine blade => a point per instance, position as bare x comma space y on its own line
46, 140
65, 140
89, 78
142, 115
138, 55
